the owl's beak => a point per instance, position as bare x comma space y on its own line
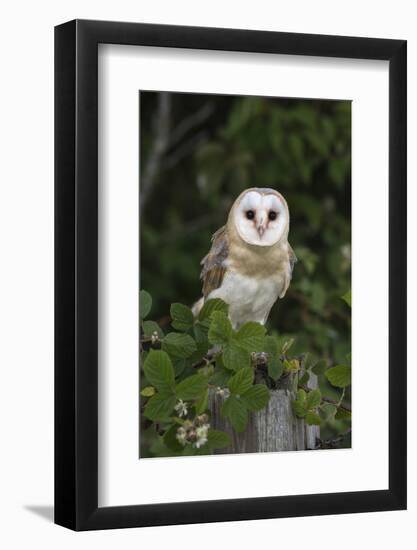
261, 228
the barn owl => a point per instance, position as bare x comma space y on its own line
250, 262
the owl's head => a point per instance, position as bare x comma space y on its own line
260, 216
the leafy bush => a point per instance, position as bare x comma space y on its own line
178, 369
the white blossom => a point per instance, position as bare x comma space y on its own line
182, 435
201, 433
181, 408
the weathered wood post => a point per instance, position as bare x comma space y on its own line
274, 428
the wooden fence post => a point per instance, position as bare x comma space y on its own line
272, 429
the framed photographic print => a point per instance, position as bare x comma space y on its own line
230, 275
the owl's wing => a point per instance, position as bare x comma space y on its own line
213, 269
292, 258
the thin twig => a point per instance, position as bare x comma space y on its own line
187, 229
341, 398
190, 122
332, 401
337, 403
184, 150
331, 442
204, 362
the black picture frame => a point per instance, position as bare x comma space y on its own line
76, 271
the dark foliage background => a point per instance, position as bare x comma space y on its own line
198, 152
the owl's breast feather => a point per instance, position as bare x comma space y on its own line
249, 298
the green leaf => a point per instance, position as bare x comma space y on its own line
250, 337
291, 366
159, 371
313, 399
319, 367
149, 391
179, 345
171, 441
339, 376
149, 327
220, 377
143, 357
201, 332
348, 298
241, 381
313, 419
235, 357
271, 346
145, 303
309, 360
202, 403
287, 345
328, 410
218, 440
301, 395
299, 403
156, 445
191, 387
190, 450
220, 331
256, 397
299, 409
178, 420
236, 412
182, 317
303, 381
200, 352
342, 414
179, 366
275, 368
210, 307
159, 407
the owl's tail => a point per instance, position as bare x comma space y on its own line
197, 307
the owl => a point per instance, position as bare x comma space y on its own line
250, 263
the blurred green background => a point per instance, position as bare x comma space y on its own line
198, 152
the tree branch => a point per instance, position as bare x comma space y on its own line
159, 146
184, 150
191, 122
164, 140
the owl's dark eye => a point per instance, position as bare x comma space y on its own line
250, 214
272, 215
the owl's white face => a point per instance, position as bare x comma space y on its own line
261, 218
